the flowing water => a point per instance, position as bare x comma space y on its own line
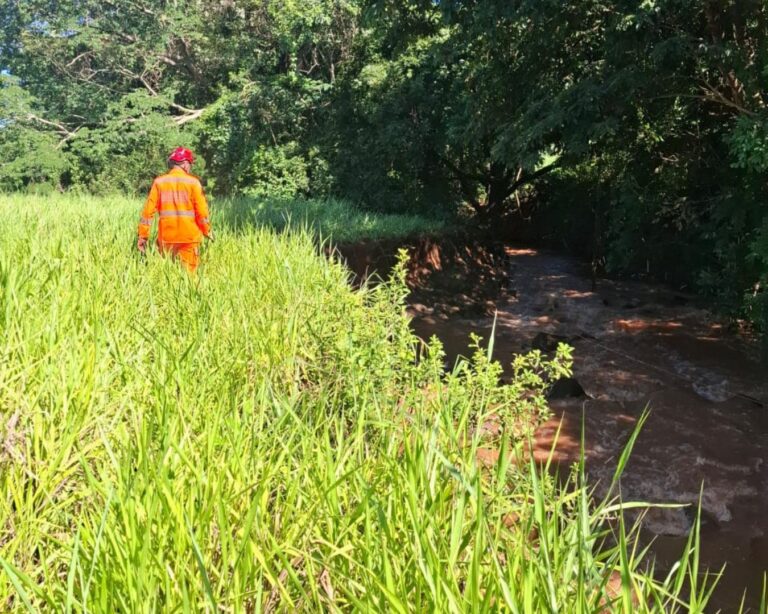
641, 346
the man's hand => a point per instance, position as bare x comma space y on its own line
142, 245
210, 236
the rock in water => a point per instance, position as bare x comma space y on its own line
566, 388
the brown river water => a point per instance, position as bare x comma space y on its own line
641, 346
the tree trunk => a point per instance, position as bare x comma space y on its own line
496, 194
764, 335
597, 242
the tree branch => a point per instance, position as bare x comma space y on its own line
462, 174
65, 132
521, 181
715, 96
190, 116
60, 128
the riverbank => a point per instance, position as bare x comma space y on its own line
261, 436
640, 346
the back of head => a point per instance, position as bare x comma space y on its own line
182, 158
181, 154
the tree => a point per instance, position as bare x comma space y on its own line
487, 113
138, 76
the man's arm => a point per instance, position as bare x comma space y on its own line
147, 213
201, 210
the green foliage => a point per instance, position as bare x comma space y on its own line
749, 144
31, 160
525, 396
128, 150
275, 171
263, 437
637, 130
381, 130
656, 114
239, 80
327, 219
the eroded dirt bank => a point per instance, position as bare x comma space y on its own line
456, 275
637, 346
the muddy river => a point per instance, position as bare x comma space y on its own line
643, 346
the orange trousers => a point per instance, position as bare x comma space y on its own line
187, 253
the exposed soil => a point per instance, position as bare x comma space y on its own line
637, 346
455, 276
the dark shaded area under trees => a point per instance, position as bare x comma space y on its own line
636, 133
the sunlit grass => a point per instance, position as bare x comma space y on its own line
262, 438
335, 219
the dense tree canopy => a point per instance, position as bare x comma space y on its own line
635, 130
128, 79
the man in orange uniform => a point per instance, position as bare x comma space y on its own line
177, 197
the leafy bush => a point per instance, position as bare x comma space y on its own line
276, 172
31, 160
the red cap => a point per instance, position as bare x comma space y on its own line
182, 154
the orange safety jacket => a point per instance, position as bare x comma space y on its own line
178, 198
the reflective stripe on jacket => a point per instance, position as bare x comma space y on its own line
177, 197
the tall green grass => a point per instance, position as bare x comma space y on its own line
263, 438
339, 220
